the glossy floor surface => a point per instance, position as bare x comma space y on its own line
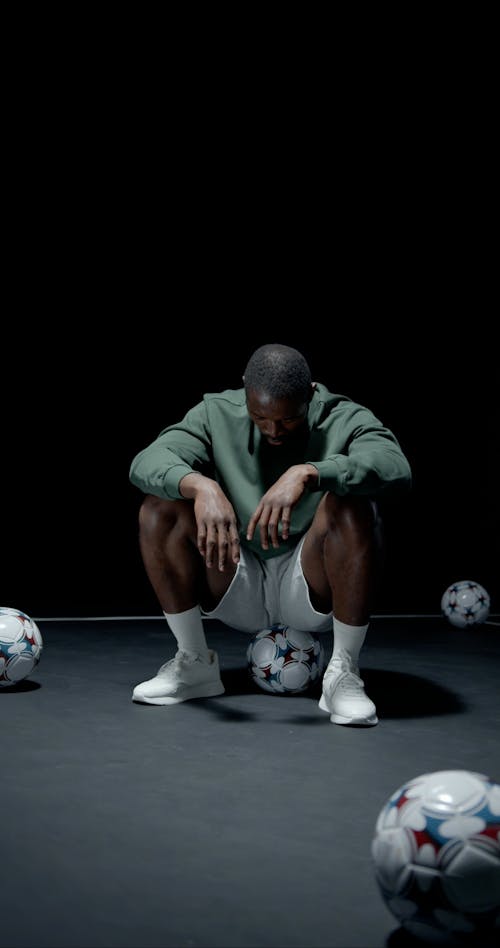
240, 821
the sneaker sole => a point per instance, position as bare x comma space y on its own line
354, 722
341, 719
210, 691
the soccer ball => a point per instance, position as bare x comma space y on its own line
20, 646
465, 604
436, 851
282, 660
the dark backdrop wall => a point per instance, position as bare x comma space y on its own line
78, 416
157, 236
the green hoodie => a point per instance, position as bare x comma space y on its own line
352, 450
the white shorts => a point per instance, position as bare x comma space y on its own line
269, 592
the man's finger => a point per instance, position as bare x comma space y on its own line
273, 529
202, 539
286, 517
210, 546
235, 544
223, 547
253, 522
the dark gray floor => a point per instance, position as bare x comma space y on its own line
239, 821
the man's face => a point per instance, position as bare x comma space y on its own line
278, 419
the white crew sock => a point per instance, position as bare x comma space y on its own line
188, 630
348, 637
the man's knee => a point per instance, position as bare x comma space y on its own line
157, 516
355, 514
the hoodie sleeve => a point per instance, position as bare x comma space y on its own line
179, 449
362, 457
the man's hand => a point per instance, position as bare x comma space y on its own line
217, 540
277, 504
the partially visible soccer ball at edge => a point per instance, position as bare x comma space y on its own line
436, 854
21, 646
465, 604
285, 661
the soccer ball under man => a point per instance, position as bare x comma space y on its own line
436, 850
282, 660
465, 604
20, 646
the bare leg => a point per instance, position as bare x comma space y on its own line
342, 557
177, 572
174, 566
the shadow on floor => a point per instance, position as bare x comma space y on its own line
396, 694
24, 685
401, 695
403, 939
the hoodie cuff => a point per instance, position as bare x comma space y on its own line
173, 478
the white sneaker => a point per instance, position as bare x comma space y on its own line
185, 676
344, 693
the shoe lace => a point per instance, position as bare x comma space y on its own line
350, 684
180, 658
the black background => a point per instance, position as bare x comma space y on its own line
165, 221
70, 513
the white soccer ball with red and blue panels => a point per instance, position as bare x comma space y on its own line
282, 660
465, 604
436, 852
21, 645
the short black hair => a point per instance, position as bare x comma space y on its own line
278, 371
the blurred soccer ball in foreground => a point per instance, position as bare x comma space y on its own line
20, 646
436, 850
282, 660
465, 603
